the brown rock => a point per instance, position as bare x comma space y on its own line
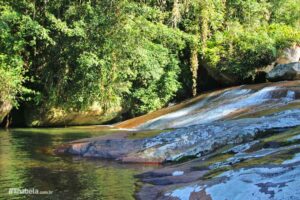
5, 108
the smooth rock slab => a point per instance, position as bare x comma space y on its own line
265, 182
195, 140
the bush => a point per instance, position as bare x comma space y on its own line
239, 51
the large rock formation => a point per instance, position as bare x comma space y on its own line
276, 182
282, 72
192, 141
39, 116
267, 168
5, 108
232, 115
285, 56
219, 105
289, 55
246, 136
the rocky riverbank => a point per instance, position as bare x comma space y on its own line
192, 141
266, 168
247, 136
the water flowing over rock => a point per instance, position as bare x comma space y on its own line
238, 143
224, 104
190, 141
269, 182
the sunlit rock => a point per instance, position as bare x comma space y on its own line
93, 115
5, 108
228, 104
177, 173
289, 55
197, 140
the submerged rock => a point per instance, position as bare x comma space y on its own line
290, 71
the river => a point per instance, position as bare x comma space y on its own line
230, 133
27, 161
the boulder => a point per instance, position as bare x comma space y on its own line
48, 117
285, 56
5, 108
289, 55
290, 71
222, 78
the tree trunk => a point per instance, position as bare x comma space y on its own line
8, 121
194, 70
175, 13
204, 28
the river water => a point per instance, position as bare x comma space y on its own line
27, 161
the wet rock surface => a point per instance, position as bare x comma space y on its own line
256, 172
222, 104
229, 104
264, 182
192, 141
240, 143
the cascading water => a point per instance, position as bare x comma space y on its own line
230, 102
243, 135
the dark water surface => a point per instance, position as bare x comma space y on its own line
27, 161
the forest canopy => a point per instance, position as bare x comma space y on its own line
139, 55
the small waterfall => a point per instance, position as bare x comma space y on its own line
217, 107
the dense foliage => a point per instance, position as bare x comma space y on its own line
139, 55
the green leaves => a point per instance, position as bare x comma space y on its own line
240, 52
250, 38
17, 32
287, 12
134, 54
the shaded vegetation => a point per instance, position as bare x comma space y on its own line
134, 55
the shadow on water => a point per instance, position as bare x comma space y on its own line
27, 161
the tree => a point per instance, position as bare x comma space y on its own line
130, 54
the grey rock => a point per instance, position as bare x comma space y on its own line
194, 140
290, 71
276, 182
201, 139
263, 173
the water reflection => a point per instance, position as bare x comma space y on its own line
27, 161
